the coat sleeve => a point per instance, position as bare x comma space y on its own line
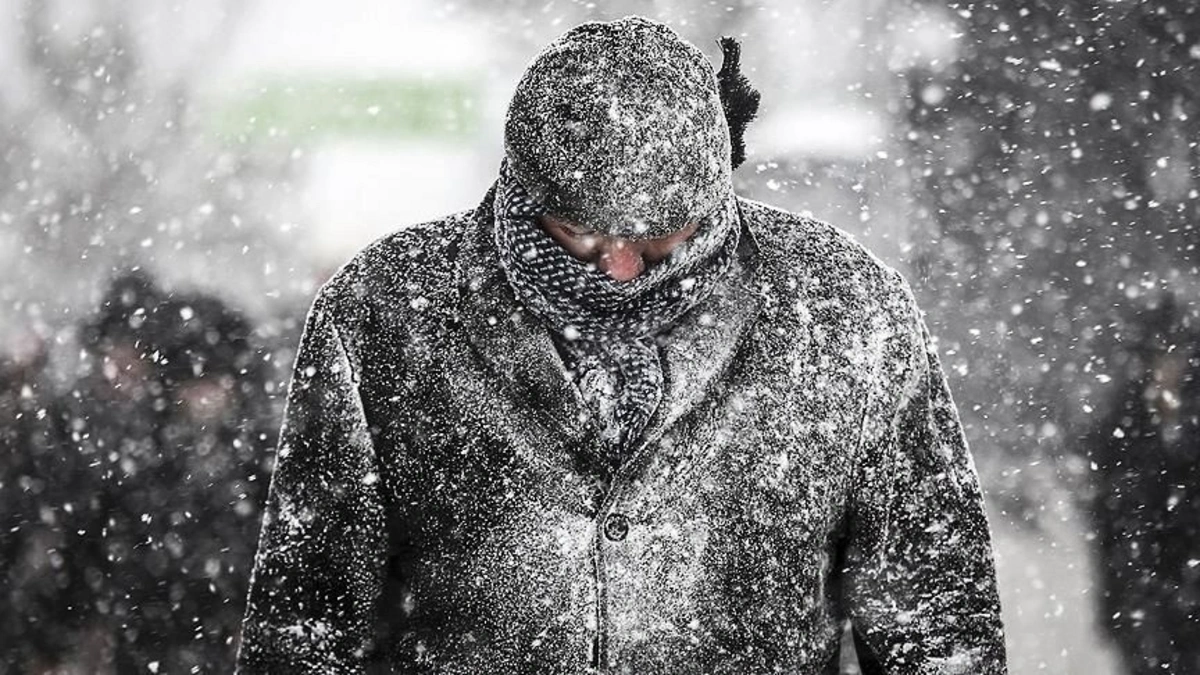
919, 577
317, 574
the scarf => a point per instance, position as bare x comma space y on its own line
607, 331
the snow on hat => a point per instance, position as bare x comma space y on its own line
619, 126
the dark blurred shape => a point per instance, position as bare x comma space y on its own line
131, 299
1057, 183
39, 590
1146, 504
148, 513
1055, 164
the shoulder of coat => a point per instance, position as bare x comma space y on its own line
811, 257
408, 269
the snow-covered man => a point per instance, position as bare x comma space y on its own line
619, 419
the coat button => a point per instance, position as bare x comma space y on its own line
616, 526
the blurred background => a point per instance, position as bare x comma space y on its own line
177, 179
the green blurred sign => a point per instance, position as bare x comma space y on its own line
304, 108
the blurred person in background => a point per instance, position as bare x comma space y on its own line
61, 594
1146, 505
134, 525
181, 522
619, 419
109, 419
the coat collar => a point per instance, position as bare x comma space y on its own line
518, 349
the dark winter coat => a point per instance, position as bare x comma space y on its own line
436, 505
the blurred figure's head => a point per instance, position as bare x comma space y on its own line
1161, 357
209, 357
120, 338
190, 348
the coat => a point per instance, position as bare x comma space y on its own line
437, 507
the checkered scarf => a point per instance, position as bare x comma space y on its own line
607, 331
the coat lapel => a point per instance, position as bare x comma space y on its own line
513, 344
700, 348
518, 348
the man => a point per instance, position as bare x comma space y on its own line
618, 419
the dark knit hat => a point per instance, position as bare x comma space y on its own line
619, 126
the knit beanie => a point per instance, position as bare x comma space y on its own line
620, 127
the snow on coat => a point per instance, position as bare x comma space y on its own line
436, 506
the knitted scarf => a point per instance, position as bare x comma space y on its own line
605, 330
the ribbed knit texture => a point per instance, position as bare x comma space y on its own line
605, 329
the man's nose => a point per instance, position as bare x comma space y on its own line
621, 259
